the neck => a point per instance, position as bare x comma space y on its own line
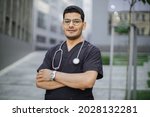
72, 43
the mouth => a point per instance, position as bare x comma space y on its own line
71, 31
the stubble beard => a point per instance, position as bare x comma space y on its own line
74, 37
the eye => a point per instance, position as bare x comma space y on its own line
76, 21
67, 21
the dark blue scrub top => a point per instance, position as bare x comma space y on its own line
90, 59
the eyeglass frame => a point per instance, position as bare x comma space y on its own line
73, 22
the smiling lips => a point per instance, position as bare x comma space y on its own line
71, 31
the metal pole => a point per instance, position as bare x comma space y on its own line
135, 64
129, 74
111, 61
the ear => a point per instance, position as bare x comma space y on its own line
84, 25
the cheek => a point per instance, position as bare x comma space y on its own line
80, 29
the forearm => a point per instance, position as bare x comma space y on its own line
49, 85
73, 80
77, 80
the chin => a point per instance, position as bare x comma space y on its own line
72, 37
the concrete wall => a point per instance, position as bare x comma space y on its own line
12, 49
100, 22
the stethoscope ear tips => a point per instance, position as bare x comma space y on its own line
76, 61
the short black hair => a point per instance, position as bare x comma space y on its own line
76, 9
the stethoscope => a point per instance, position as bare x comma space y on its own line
75, 60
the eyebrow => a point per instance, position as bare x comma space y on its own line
72, 19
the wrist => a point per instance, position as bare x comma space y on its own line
52, 75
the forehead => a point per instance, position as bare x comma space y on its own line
72, 15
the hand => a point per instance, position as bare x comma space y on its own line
43, 75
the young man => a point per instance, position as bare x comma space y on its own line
70, 69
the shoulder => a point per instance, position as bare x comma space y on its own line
91, 47
52, 50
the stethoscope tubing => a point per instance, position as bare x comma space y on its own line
61, 54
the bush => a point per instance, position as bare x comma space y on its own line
105, 60
148, 83
149, 74
123, 60
142, 95
122, 28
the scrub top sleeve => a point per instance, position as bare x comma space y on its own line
46, 62
93, 61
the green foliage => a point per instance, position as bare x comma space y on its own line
123, 59
105, 60
122, 28
145, 1
141, 59
148, 83
142, 95
149, 74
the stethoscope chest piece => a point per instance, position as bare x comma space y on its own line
76, 61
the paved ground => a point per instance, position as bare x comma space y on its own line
18, 80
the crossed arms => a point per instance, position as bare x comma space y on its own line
73, 80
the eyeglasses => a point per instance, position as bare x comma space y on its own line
75, 22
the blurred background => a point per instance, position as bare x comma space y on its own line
119, 28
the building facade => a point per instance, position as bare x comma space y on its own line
141, 19
15, 30
102, 20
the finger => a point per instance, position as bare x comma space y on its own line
39, 76
40, 80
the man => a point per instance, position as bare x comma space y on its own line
70, 69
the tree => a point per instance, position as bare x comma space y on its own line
145, 1
130, 51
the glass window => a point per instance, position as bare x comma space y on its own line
8, 7
41, 20
7, 21
138, 32
52, 41
137, 16
53, 28
143, 17
142, 31
41, 39
13, 29
18, 32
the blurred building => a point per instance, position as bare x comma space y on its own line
15, 30
48, 16
141, 19
27, 25
102, 21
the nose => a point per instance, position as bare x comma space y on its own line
71, 24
